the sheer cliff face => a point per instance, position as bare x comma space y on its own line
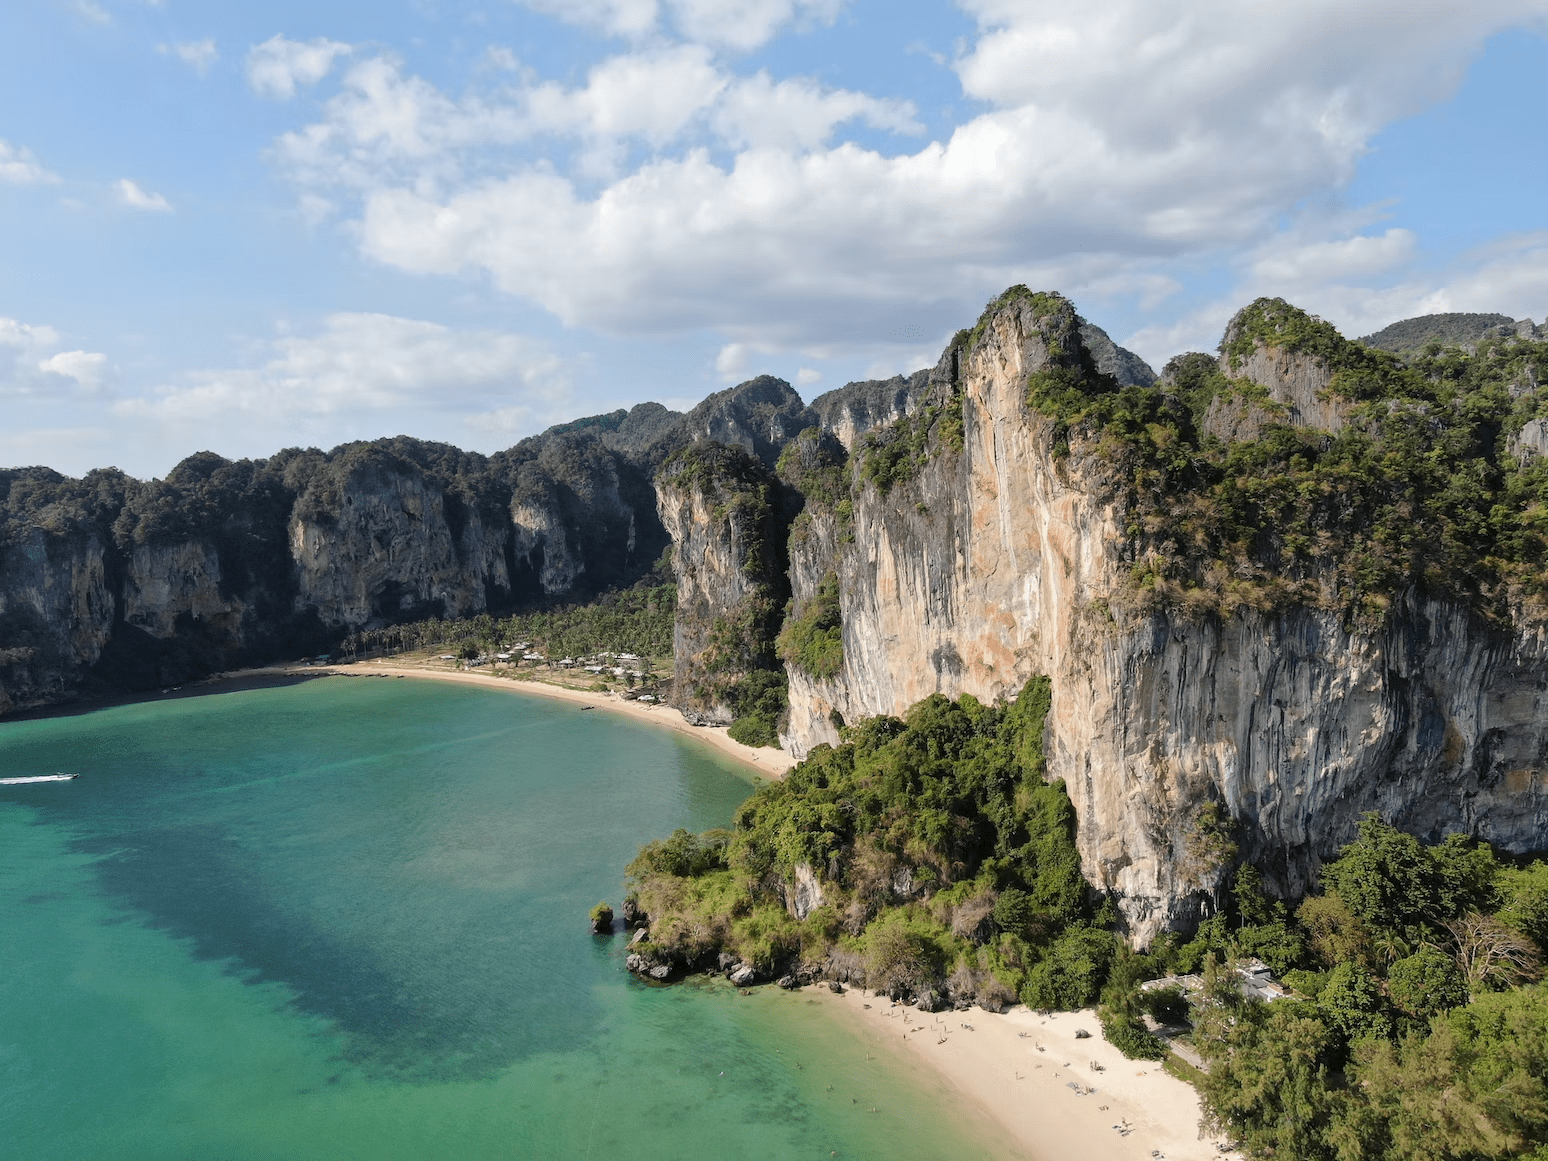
165, 583
856, 408
1001, 561
576, 513
721, 507
383, 550
56, 615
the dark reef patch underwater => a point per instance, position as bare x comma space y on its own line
345, 919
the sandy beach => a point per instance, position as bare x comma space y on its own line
768, 762
1059, 1097
1032, 1076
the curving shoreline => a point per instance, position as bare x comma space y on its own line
769, 763
995, 1066
994, 1062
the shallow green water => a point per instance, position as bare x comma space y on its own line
346, 919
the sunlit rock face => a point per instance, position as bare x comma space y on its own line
1007, 559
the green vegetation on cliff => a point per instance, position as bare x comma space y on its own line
1411, 336
813, 637
736, 664
926, 858
926, 854
1416, 488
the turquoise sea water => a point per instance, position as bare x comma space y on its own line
346, 919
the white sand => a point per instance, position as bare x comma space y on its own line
766, 761
996, 1065
1027, 1091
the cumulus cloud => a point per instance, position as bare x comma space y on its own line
198, 55
364, 365
1363, 283
277, 66
32, 363
798, 115
1510, 276
85, 367
653, 95
745, 24
738, 24
619, 17
19, 167
1114, 136
131, 195
1292, 263
353, 376
385, 129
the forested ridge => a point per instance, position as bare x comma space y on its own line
1420, 484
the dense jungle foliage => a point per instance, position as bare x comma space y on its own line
896, 453
947, 865
812, 639
948, 873
1418, 1029
1411, 335
1416, 488
815, 467
636, 620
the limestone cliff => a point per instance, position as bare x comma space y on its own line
371, 543
728, 522
56, 614
1012, 553
856, 408
1111, 359
165, 584
583, 517
760, 416
109, 583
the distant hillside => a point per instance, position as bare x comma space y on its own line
1111, 359
1410, 336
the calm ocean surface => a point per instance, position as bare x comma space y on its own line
347, 919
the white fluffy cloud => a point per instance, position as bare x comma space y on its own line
799, 115
387, 130
32, 363
19, 167
361, 367
354, 376
1117, 135
198, 55
136, 198
277, 66
738, 24
1294, 264
1362, 283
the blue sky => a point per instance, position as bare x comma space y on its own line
244, 227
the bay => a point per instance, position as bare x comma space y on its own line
345, 917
